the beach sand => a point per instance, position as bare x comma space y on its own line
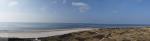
39, 33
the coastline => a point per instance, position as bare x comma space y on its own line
40, 33
85, 34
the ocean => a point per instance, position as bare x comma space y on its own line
48, 26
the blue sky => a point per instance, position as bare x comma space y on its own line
76, 11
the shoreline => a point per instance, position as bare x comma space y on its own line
40, 33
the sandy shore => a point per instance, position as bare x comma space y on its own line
39, 33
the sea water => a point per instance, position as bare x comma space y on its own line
48, 26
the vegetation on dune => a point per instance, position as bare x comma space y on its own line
139, 34
131, 34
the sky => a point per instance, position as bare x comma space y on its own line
76, 11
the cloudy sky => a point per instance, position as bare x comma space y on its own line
76, 11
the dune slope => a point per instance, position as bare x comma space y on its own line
136, 34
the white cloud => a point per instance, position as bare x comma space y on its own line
79, 4
3, 1
83, 7
13, 3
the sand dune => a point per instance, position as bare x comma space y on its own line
114, 34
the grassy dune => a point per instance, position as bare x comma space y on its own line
133, 34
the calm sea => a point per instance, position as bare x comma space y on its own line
46, 26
